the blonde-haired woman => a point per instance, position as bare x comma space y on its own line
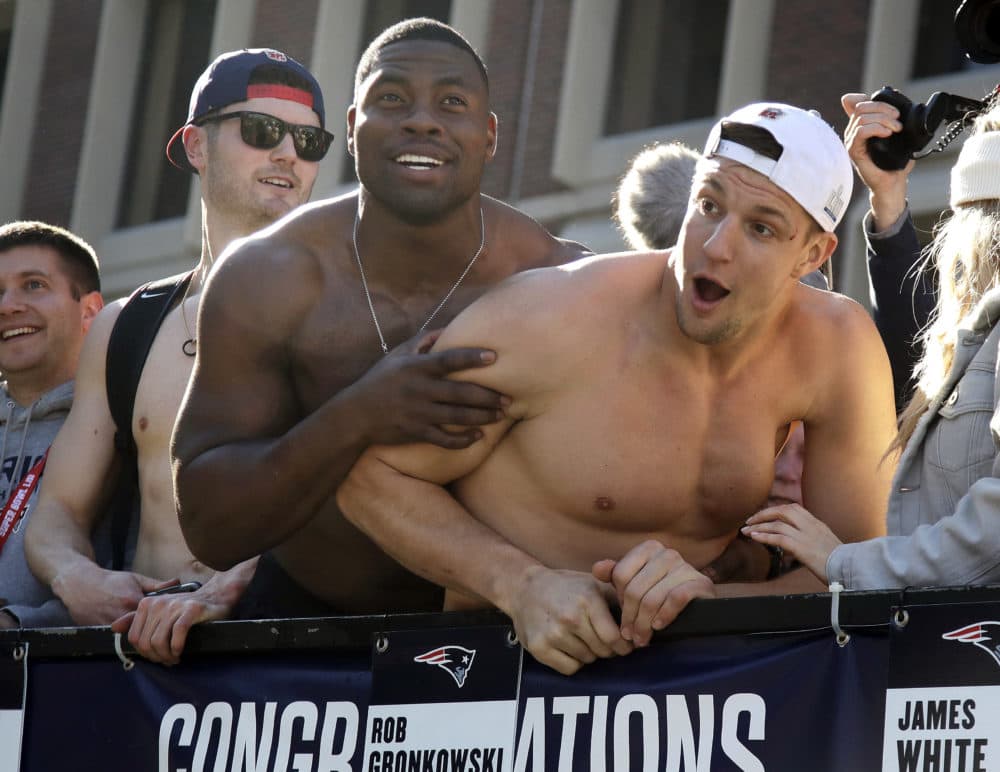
943, 515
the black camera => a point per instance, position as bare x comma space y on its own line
977, 27
920, 121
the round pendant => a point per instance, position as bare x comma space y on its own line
189, 347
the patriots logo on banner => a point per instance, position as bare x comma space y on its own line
984, 635
455, 659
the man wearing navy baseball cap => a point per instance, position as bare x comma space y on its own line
251, 74
255, 135
649, 395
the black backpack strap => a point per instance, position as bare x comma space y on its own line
128, 346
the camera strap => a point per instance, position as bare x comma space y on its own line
17, 503
960, 112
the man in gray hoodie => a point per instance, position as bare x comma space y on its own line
49, 293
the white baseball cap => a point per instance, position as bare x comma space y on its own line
813, 166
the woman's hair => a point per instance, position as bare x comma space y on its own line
966, 255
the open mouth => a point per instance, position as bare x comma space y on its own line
709, 291
422, 162
277, 182
17, 332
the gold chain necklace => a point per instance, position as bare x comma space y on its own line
368, 295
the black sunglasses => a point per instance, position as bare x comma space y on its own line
265, 131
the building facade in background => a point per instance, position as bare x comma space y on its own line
92, 90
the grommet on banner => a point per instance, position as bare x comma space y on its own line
512, 637
19, 652
835, 589
382, 643
127, 663
902, 617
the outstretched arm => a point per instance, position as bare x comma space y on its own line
73, 492
396, 495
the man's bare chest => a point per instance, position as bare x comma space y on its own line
339, 342
162, 385
652, 453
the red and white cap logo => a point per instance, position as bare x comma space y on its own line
275, 56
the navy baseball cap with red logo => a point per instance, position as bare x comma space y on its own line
227, 80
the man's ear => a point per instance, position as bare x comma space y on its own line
90, 306
195, 140
818, 250
491, 133
352, 113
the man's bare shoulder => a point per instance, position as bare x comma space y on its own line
304, 237
835, 333
575, 294
523, 240
292, 260
831, 312
95, 343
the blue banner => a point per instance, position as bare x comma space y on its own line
945, 716
13, 674
775, 702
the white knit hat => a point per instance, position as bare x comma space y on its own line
813, 168
976, 175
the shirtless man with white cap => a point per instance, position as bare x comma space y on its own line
650, 393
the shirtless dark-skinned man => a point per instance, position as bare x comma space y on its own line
313, 335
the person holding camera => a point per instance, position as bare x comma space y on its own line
944, 509
902, 298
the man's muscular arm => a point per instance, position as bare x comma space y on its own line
246, 462
846, 476
78, 473
561, 617
396, 496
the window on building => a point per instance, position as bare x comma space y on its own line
938, 51
380, 14
177, 42
384, 13
667, 63
6, 32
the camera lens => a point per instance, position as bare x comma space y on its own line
977, 26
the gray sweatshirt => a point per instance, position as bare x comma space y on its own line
25, 435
